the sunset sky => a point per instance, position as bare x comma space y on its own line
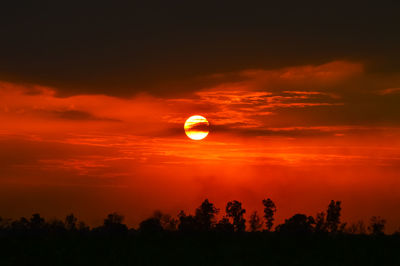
303, 102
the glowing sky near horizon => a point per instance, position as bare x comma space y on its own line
301, 135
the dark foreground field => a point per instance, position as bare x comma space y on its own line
199, 249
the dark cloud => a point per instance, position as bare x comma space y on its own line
21, 152
162, 47
76, 115
199, 126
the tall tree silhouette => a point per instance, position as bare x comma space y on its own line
205, 215
269, 211
333, 216
377, 225
234, 210
255, 222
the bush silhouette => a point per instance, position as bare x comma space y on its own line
224, 226
167, 221
150, 225
113, 224
187, 223
377, 225
297, 224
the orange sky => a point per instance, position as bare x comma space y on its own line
301, 135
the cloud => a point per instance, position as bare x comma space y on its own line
256, 100
76, 115
325, 77
162, 49
389, 91
247, 102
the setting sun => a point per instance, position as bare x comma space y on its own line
196, 127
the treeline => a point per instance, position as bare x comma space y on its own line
205, 220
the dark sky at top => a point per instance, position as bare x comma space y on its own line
161, 47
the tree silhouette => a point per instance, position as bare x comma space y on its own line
333, 216
56, 226
113, 223
377, 225
342, 228
36, 222
234, 210
187, 223
224, 225
39, 242
255, 222
167, 221
20, 225
70, 222
356, 228
203, 221
151, 225
2, 223
269, 211
82, 227
205, 215
5, 223
320, 223
297, 224
113, 218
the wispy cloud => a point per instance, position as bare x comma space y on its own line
389, 91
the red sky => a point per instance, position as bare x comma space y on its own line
301, 135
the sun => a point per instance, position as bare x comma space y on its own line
196, 127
